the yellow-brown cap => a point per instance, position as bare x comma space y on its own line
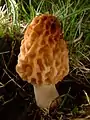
43, 57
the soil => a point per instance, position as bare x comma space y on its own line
17, 100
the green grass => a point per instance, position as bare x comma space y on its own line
75, 19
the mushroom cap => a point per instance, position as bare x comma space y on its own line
43, 57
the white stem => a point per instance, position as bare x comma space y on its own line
45, 94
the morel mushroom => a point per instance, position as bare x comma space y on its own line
43, 59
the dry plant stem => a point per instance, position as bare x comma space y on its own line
45, 94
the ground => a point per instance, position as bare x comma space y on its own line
17, 100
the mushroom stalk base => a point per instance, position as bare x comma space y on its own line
45, 94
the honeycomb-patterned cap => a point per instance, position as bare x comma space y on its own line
43, 57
